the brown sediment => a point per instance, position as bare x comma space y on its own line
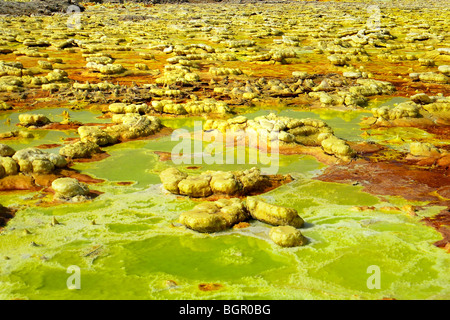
441, 132
71, 139
241, 225
390, 178
94, 157
361, 148
407, 180
273, 182
365, 148
441, 222
18, 182
37, 182
163, 155
124, 183
444, 192
210, 286
5, 215
45, 180
80, 176
48, 146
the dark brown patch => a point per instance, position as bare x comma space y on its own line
364, 148
163, 155
389, 178
5, 215
80, 176
71, 139
441, 222
48, 146
406, 180
210, 286
94, 157
124, 183
441, 132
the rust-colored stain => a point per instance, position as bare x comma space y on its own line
95, 157
210, 286
48, 146
124, 183
441, 222
241, 225
18, 182
390, 178
400, 179
164, 155
80, 176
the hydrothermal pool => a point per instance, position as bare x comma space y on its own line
136, 249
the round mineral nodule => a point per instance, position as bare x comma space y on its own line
287, 236
69, 187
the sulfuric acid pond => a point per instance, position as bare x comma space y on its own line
137, 250
107, 185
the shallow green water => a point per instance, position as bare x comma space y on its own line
136, 245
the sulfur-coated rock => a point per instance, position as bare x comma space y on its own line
434, 77
170, 179
42, 166
37, 161
26, 119
195, 186
95, 135
287, 236
214, 216
204, 218
66, 188
10, 166
421, 98
6, 151
79, 149
445, 69
424, 149
251, 179
224, 183
338, 147
273, 214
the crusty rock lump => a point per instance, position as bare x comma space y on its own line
287, 132
213, 182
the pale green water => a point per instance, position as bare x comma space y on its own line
133, 248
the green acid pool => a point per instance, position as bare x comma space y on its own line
127, 244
